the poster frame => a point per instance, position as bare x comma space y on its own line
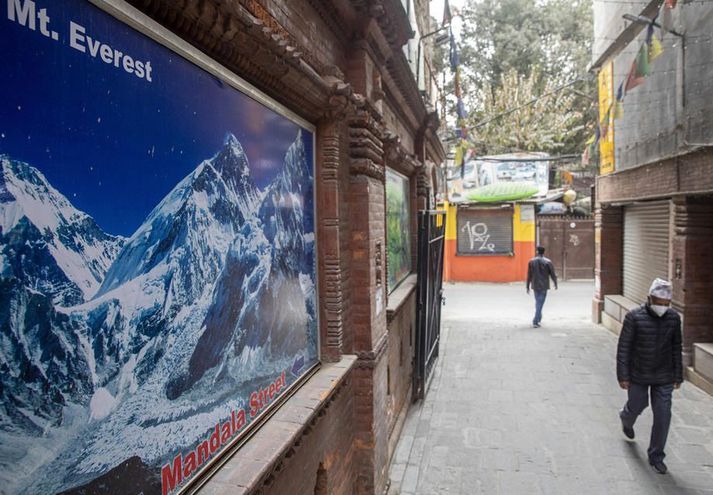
411, 271
144, 25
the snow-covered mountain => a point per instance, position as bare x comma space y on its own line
51, 255
166, 270
212, 293
259, 300
193, 225
80, 249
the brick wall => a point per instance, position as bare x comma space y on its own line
400, 367
368, 325
686, 174
693, 267
328, 446
608, 255
298, 19
371, 445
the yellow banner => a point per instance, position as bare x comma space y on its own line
606, 119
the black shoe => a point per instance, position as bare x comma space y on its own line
535, 325
628, 430
659, 467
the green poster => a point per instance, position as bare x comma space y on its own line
398, 228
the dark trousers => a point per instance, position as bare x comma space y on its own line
661, 407
540, 296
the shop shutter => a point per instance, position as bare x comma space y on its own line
646, 246
485, 231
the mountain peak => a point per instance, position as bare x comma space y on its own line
231, 163
232, 145
5, 195
80, 248
13, 169
201, 214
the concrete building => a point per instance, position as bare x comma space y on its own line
654, 196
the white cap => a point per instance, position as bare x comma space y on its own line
661, 288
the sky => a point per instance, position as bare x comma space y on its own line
112, 143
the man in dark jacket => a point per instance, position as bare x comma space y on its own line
649, 361
539, 272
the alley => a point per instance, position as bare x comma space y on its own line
516, 410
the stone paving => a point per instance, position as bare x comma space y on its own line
517, 410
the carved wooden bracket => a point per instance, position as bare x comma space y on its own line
423, 180
366, 149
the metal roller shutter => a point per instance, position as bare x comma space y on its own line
485, 231
646, 246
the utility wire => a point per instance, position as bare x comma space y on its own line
531, 102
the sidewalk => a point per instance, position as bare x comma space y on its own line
517, 410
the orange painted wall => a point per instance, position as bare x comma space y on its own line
490, 268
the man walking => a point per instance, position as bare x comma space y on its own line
649, 362
539, 272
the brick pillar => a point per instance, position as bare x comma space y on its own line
608, 255
693, 270
368, 298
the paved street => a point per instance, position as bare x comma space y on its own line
517, 410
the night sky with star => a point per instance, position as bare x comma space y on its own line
112, 143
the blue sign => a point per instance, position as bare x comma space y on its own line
157, 256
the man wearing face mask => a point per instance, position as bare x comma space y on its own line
649, 362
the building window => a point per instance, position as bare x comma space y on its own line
483, 232
398, 228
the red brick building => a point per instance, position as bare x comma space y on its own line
348, 68
654, 199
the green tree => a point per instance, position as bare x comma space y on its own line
513, 115
515, 51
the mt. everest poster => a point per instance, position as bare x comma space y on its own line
157, 257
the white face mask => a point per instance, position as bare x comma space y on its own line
658, 309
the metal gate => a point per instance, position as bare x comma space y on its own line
431, 239
569, 244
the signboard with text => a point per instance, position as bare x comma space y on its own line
157, 254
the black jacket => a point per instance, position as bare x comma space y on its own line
539, 272
649, 350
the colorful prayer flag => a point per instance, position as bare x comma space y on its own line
618, 110
453, 56
667, 21
642, 61
639, 68
460, 109
655, 49
446, 14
